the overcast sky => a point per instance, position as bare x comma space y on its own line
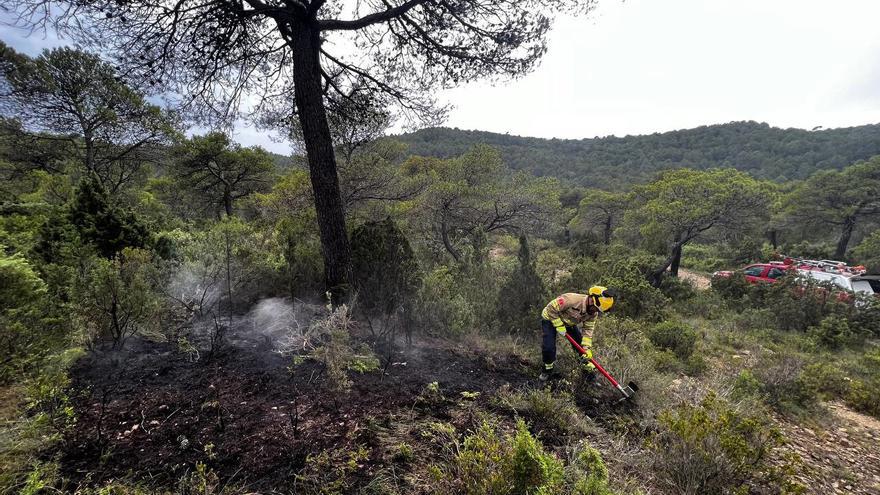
643, 66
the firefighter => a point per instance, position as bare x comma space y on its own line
563, 315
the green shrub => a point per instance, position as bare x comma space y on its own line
442, 308
404, 454
20, 286
703, 257
117, 298
34, 419
870, 363
103, 224
489, 463
864, 315
746, 384
626, 271
711, 448
826, 379
591, 476
666, 361
862, 393
868, 252
677, 289
783, 386
862, 396
751, 319
678, 337
431, 395
734, 287
704, 303
300, 247
47, 393
24, 326
796, 303
587, 245
532, 470
833, 332
636, 298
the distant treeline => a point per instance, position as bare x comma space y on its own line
614, 162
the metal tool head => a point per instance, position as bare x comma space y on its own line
628, 391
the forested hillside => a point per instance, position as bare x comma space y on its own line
613, 162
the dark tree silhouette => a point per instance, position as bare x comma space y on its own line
301, 58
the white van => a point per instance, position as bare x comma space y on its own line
861, 284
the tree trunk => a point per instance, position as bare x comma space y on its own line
90, 154
676, 260
322, 162
773, 241
447, 243
607, 230
227, 202
655, 277
848, 225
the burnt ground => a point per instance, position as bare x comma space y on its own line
150, 415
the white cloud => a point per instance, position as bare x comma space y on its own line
644, 66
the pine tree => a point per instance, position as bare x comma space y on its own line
522, 296
385, 272
107, 227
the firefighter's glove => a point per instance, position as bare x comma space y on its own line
587, 356
560, 326
586, 362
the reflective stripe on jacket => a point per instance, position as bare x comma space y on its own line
571, 309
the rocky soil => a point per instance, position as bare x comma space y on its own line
841, 455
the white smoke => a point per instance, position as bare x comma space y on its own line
273, 317
198, 293
197, 289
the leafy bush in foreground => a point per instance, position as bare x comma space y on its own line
710, 447
487, 463
22, 303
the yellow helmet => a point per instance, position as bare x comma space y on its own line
602, 297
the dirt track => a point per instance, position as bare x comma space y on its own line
699, 281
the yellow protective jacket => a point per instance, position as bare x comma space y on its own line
570, 309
